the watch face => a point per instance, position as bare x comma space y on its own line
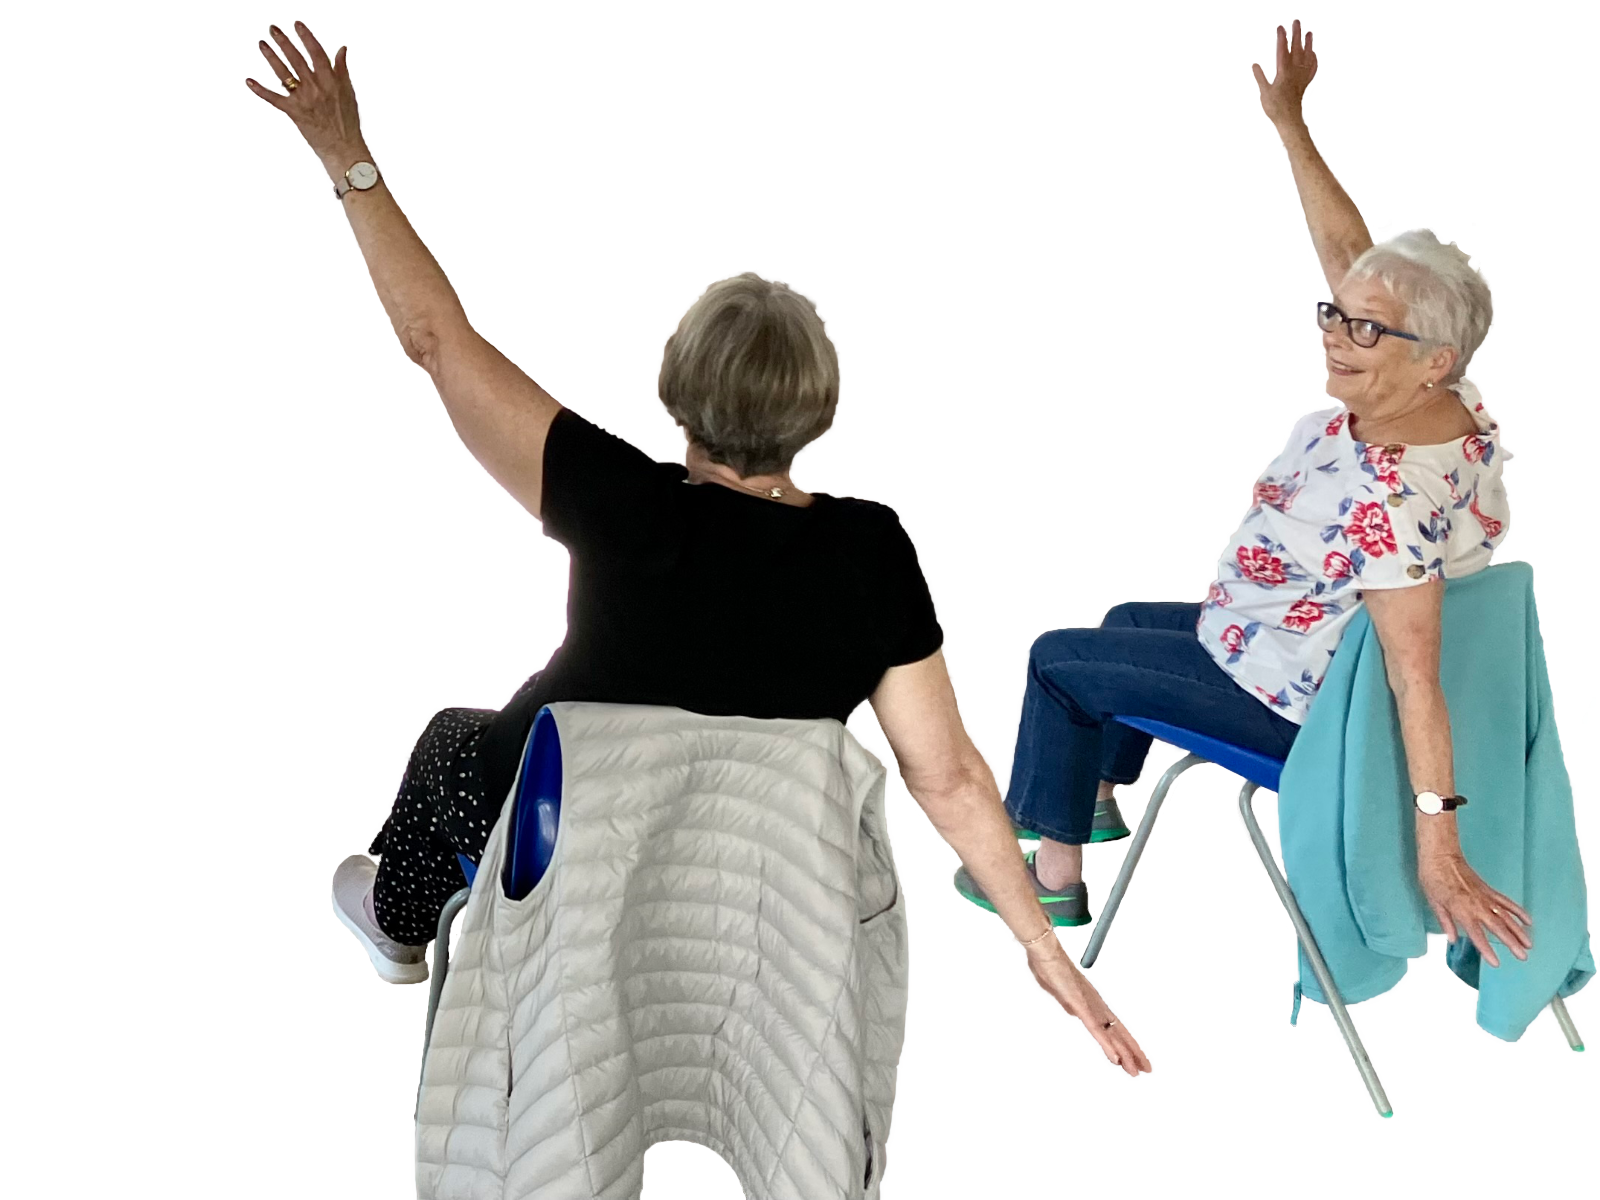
363, 175
1430, 803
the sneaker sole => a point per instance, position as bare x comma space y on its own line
1054, 919
1099, 835
388, 970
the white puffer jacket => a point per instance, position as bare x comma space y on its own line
717, 954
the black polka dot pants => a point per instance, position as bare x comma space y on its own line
441, 811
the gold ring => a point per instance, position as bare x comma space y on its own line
291, 83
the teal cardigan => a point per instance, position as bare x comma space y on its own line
1346, 815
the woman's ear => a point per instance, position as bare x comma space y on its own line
1442, 362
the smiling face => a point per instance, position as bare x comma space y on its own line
1369, 380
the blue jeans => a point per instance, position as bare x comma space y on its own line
1145, 660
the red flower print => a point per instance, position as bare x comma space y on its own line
1233, 639
1383, 460
1473, 447
1336, 424
1267, 493
1302, 615
1219, 596
1260, 565
1336, 566
1369, 527
1491, 527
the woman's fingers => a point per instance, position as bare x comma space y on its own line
1480, 939
1283, 52
1294, 45
302, 69
283, 73
1507, 904
319, 56
1114, 1053
1261, 78
1131, 1053
281, 103
1442, 915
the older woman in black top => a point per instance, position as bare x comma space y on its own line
717, 586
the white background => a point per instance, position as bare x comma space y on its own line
1060, 254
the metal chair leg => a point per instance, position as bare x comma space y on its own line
1564, 1019
441, 965
1319, 968
1131, 860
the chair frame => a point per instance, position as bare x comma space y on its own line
1308, 942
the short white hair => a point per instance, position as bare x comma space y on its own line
1445, 298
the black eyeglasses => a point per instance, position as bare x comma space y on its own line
1363, 332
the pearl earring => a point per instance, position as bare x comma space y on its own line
1429, 385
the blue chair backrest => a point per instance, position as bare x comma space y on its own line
1261, 769
536, 815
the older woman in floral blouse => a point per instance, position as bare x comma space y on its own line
1374, 502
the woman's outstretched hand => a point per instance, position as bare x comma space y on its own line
1056, 975
321, 102
1297, 67
1464, 902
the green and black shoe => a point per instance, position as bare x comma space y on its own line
1066, 906
1108, 825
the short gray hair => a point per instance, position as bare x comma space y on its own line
751, 374
1445, 299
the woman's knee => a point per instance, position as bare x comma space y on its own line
1057, 646
1122, 616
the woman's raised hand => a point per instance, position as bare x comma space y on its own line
321, 101
1056, 975
1297, 67
1464, 903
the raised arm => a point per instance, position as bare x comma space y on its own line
1337, 230
500, 414
1408, 622
948, 778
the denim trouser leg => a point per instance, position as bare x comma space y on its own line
1123, 748
1146, 661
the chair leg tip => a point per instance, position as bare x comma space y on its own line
1387, 1113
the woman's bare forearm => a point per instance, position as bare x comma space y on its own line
1338, 233
971, 817
412, 287
1430, 758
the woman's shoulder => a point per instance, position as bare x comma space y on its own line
856, 513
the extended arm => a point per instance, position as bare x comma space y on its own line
1337, 231
948, 778
1408, 622
500, 414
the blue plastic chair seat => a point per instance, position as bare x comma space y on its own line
1260, 769
536, 815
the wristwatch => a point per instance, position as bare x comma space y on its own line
360, 176
1433, 804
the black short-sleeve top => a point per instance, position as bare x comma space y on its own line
705, 598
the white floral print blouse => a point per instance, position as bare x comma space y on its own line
1333, 516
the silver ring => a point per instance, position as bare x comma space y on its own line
1109, 1023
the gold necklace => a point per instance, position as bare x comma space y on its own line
771, 493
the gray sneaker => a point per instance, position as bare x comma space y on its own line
1066, 906
393, 962
1108, 823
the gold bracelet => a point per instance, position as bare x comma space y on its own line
1048, 930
